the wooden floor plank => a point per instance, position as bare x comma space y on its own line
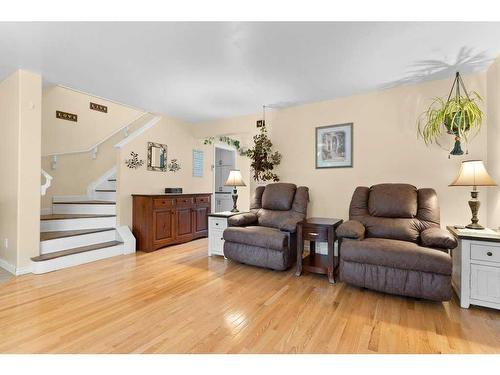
179, 300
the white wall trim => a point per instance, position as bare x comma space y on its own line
23, 270
148, 125
7, 266
94, 184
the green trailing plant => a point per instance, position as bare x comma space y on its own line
459, 116
225, 139
264, 160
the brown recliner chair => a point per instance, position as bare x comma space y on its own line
393, 242
265, 236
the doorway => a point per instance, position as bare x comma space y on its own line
224, 161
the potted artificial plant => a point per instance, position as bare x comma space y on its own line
459, 116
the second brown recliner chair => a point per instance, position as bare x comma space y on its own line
393, 242
265, 236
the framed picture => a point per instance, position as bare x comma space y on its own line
334, 146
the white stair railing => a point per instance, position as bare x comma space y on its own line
48, 182
94, 148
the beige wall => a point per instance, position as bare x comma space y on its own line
180, 143
385, 147
92, 126
20, 147
494, 142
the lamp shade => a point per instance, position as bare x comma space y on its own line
234, 178
473, 173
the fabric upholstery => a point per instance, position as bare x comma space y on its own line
396, 254
437, 237
259, 256
393, 200
351, 229
403, 251
403, 282
278, 196
247, 218
270, 238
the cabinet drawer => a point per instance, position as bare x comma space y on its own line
485, 253
485, 283
217, 223
183, 202
163, 203
315, 234
202, 200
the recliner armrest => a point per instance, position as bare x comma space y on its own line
437, 237
352, 229
242, 220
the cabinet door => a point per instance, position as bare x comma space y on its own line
163, 227
201, 220
485, 283
184, 223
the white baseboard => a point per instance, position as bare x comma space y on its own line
321, 248
8, 267
23, 270
13, 270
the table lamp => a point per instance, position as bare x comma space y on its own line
473, 173
234, 179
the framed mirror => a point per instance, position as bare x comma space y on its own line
157, 157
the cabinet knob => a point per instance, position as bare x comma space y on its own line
217, 224
222, 238
489, 253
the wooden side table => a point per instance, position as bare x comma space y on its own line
317, 229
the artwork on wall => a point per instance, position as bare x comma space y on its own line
334, 146
197, 163
134, 162
174, 165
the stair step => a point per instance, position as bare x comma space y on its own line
72, 216
46, 236
106, 190
75, 250
86, 202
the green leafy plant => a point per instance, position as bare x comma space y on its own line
459, 116
264, 160
225, 139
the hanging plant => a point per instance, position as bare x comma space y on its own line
264, 160
459, 116
174, 165
229, 141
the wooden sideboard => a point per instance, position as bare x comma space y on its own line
167, 219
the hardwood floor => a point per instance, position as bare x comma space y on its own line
178, 300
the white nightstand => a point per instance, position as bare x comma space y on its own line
476, 267
217, 222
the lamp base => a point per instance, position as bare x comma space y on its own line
235, 199
474, 207
474, 226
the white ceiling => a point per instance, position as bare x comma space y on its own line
203, 71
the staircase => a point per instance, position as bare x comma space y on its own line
82, 230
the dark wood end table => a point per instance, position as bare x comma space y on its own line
317, 229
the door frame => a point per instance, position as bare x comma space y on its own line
223, 146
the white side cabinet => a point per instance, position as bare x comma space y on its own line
217, 222
476, 267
